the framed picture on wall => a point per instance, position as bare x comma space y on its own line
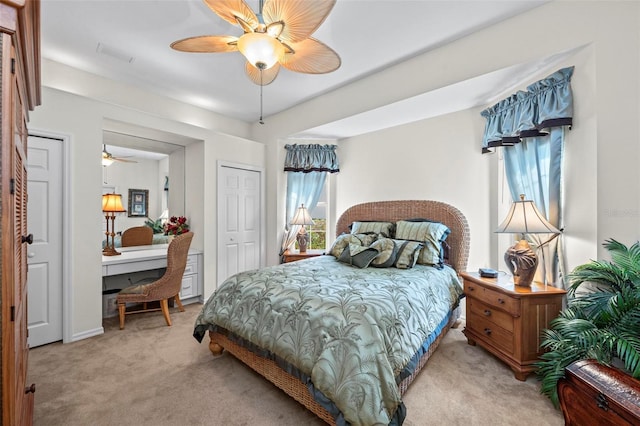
138, 202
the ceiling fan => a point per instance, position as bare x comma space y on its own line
279, 35
108, 159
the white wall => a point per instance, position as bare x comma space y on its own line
602, 181
65, 111
435, 159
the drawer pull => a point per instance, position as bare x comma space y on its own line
471, 288
487, 331
30, 389
602, 402
487, 312
501, 301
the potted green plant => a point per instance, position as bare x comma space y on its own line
602, 323
156, 225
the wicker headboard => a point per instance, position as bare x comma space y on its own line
392, 211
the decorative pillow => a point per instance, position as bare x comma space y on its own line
387, 253
344, 240
357, 255
341, 242
367, 239
408, 252
384, 228
431, 234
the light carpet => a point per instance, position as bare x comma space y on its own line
151, 374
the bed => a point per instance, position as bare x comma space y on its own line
343, 340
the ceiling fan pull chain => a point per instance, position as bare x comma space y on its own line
261, 121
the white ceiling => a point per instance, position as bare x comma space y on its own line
134, 35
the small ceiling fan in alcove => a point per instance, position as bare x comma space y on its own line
108, 159
279, 35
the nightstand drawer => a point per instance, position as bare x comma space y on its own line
492, 298
490, 332
495, 316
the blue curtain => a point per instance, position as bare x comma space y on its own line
534, 168
311, 158
307, 167
546, 104
530, 127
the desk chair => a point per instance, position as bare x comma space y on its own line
163, 289
137, 236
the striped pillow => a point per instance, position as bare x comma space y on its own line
408, 252
431, 234
384, 228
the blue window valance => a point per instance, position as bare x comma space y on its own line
546, 103
311, 158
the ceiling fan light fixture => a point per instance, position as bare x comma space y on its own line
261, 50
106, 161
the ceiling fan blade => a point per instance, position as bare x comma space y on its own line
230, 9
311, 57
301, 18
206, 44
123, 160
268, 75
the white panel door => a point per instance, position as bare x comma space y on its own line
44, 256
239, 221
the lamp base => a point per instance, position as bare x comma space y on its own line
110, 251
303, 240
522, 262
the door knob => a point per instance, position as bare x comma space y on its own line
27, 239
31, 254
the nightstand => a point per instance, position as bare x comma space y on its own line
293, 255
507, 320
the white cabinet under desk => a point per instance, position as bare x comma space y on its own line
153, 258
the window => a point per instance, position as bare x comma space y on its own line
318, 231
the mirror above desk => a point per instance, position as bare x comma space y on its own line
149, 175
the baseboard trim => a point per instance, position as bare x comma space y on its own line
86, 334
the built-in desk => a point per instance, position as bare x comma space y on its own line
153, 257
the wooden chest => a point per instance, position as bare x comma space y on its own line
594, 394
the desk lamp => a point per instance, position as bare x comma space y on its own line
524, 218
111, 204
302, 218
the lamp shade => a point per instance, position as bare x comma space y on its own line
525, 218
112, 203
261, 50
106, 161
302, 217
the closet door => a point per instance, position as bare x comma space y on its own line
17, 399
19, 93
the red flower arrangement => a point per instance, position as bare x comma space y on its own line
176, 226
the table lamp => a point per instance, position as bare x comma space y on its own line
111, 204
524, 218
302, 217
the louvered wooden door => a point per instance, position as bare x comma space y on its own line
19, 93
23, 394
17, 398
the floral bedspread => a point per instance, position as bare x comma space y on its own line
351, 330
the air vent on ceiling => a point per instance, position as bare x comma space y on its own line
114, 53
